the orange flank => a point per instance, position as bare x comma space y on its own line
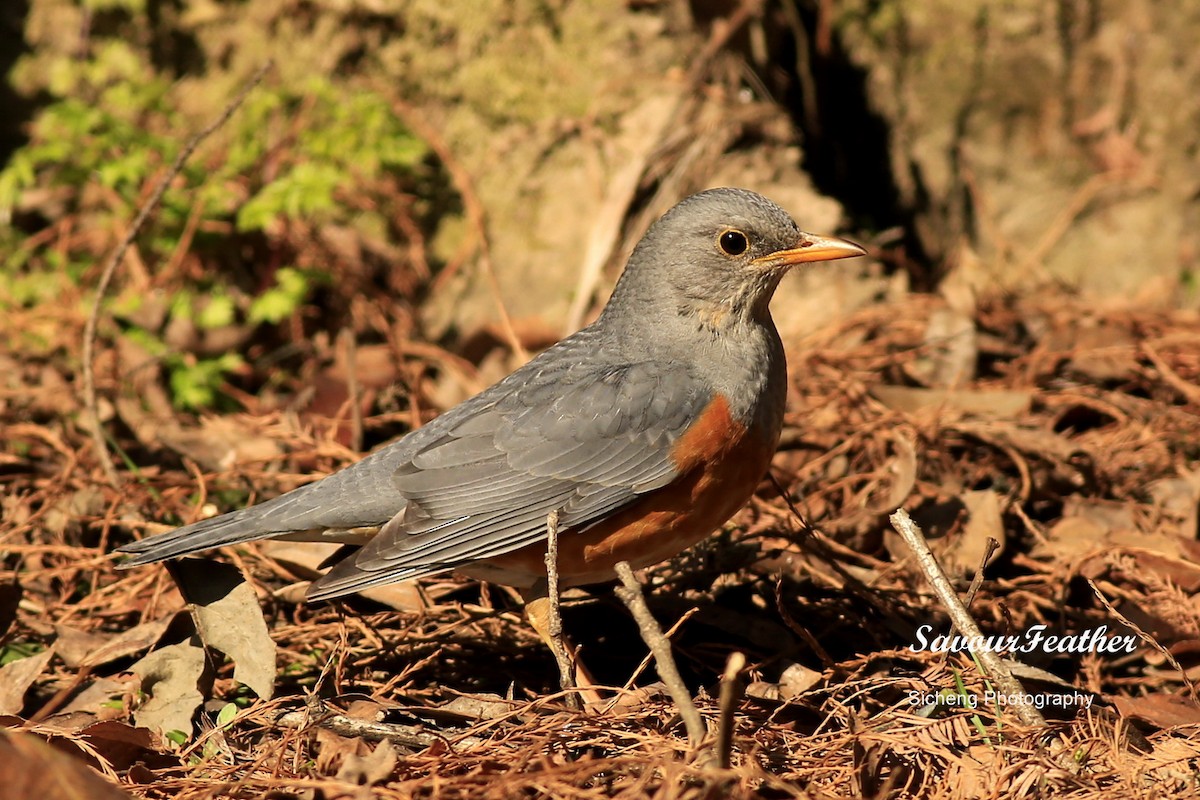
720, 463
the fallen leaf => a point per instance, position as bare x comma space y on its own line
1182, 573
228, 618
30, 768
476, 707
371, 769
16, 678
984, 522
127, 643
97, 699
303, 559
66, 511
171, 676
904, 471
1178, 501
1161, 710
951, 349
796, 680
220, 443
74, 645
981, 403
333, 750
120, 744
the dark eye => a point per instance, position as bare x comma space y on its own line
733, 243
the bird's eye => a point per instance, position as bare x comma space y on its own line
733, 243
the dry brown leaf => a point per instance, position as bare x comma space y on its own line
982, 403
74, 645
1184, 574
228, 618
67, 510
30, 768
1178, 501
796, 680
904, 471
220, 443
334, 750
984, 521
119, 743
171, 676
1162, 710
477, 707
16, 677
303, 558
371, 769
951, 350
97, 699
130, 642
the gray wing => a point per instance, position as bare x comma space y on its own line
576, 440
478, 481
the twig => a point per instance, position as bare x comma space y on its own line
1145, 637
554, 628
645, 662
960, 617
1190, 392
407, 735
630, 593
110, 267
831, 553
798, 629
723, 30
731, 691
976, 582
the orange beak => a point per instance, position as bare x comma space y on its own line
811, 248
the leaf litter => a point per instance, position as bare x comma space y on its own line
1075, 451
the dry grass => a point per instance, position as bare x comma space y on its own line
1077, 450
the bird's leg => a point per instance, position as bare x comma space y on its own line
544, 619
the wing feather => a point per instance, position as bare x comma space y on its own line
561, 433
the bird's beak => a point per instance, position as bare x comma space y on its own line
810, 248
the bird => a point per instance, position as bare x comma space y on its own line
642, 432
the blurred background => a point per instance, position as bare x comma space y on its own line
406, 169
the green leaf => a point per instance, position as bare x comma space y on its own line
218, 312
15, 651
226, 714
304, 192
282, 300
195, 385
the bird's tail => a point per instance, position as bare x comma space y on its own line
236, 527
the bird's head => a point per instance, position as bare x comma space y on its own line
718, 255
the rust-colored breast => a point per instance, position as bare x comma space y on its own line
720, 463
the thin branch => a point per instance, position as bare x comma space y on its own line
989, 548
554, 627
630, 593
417, 736
1145, 637
90, 401
731, 692
960, 617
